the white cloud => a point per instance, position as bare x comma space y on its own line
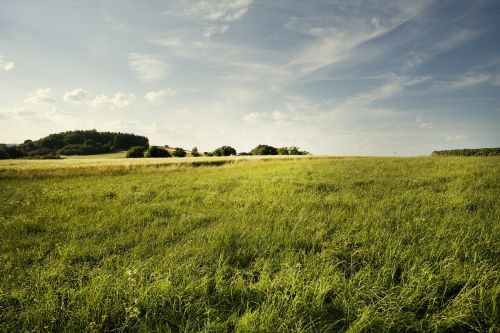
82, 96
5, 64
155, 96
41, 96
147, 67
455, 38
277, 117
17, 111
496, 80
335, 40
423, 123
212, 10
457, 137
467, 80
121, 100
214, 29
22, 113
256, 117
395, 85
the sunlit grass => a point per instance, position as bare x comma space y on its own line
306, 244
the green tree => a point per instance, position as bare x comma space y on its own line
264, 150
283, 151
195, 152
224, 151
135, 152
179, 152
155, 151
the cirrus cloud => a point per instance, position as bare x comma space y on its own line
5, 64
147, 67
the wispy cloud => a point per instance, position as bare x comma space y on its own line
214, 29
423, 123
82, 96
22, 113
465, 80
155, 96
6, 64
211, 10
337, 43
147, 67
217, 13
276, 117
394, 86
457, 137
41, 96
437, 46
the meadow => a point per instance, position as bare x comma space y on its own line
303, 244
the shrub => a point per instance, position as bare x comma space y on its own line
468, 152
85, 149
264, 150
155, 151
224, 151
179, 152
135, 152
291, 151
194, 152
3, 154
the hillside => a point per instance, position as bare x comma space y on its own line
79, 142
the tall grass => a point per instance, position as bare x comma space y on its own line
345, 244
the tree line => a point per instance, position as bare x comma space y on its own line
92, 142
80, 142
468, 152
155, 151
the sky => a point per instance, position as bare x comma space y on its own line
336, 77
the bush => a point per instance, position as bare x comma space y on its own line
85, 149
43, 153
264, 150
136, 152
224, 151
179, 152
283, 151
13, 151
3, 154
155, 151
194, 152
468, 152
291, 151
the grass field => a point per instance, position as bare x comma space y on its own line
264, 245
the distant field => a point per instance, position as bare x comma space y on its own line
250, 244
119, 154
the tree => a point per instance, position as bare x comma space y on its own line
3, 153
291, 151
264, 150
283, 151
224, 151
194, 152
135, 152
179, 152
155, 151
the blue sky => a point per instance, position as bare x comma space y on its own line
332, 77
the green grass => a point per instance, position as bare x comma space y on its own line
118, 154
264, 245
